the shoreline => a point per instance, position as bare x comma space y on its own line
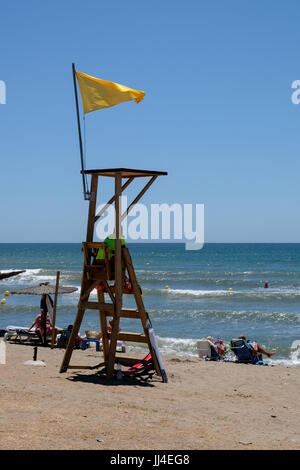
205, 405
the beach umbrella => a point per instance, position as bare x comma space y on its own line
45, 290
10, 274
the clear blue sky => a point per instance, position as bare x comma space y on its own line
217, 114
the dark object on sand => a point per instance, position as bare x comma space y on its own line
35, 353
11, 274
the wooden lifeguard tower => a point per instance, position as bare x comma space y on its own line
122, 266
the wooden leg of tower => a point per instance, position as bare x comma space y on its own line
118, 280
103, 324
92, 209
139, 303
86, 288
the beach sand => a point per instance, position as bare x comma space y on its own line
205, 405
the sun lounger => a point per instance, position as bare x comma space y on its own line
145, 364
243, 351
22, 334
207, 350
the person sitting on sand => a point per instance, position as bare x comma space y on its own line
256, 348
219, 344
99, 335
40, 321
221, 347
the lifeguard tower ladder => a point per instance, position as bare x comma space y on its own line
94, 274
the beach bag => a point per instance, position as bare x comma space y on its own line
63, 338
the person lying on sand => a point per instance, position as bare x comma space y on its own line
257, 349
220, 346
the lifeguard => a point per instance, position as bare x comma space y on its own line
110, 241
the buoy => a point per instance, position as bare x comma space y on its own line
230, 288
166, 287
3, 301
6, 293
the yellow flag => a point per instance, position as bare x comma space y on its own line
98, 94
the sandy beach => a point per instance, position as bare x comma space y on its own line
205, 405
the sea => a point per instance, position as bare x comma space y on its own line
218, 291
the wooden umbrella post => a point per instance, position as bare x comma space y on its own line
54, 309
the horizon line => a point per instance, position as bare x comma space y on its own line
154, 243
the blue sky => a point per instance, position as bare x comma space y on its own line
217, 114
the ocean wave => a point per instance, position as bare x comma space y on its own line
177, 346
194, 292
170, 346
246, 315
280, 294
172, 272
30, 276
226, 315
36, 276
284, 362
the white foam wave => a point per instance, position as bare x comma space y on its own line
169, 346
284, 362
29, 276
280, 293
197, 293
177, 346
34, 277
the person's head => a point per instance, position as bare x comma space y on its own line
210, 338
242, 337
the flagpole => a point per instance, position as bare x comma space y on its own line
85, 192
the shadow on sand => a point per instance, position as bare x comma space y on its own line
145, 379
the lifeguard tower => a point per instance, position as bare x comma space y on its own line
122, 266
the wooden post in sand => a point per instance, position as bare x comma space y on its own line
112, 266
54, 309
